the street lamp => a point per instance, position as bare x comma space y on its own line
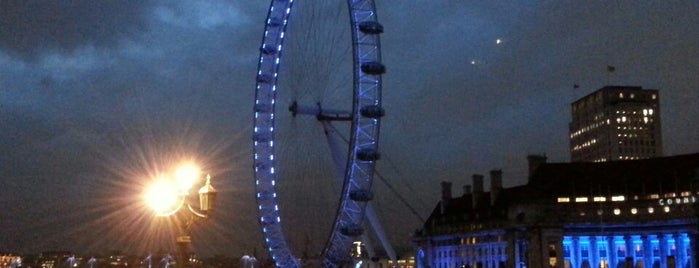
168, 196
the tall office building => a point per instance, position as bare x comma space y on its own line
616, 123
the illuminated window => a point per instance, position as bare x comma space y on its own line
666, 209
618, 198
552, 255
599, 199
651, 210
617, 211
654, 196
581, 199
634, 211
563, 200
638, 246
654, 96
621, 95
620, 246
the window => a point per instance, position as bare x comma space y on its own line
655, 246
620, 247
584, 251
618, 198
638, 247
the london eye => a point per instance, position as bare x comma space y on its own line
342, 70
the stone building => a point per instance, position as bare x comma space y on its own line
633, 213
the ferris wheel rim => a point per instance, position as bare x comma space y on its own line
363, 139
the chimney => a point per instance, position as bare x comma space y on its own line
446, 194
534, 162
477, 189
467, 190
495, 185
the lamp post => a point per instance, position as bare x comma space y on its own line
168, 197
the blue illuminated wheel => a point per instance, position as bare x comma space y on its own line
364, 113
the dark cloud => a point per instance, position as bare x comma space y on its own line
29, 29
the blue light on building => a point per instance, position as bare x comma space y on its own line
665, 250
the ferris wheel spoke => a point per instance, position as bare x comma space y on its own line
322, 114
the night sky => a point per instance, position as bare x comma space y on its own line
98, 97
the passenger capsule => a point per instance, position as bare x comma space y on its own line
368, 155
361, 195
351, 230
370, 27
372, 111
375, 68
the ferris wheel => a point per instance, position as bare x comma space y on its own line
361, 112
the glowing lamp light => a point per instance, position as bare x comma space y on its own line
163, 197
185, 178
168, 195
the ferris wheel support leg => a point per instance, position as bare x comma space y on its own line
368, 246
370, 215
336, 150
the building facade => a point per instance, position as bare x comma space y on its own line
616, 123
633, 213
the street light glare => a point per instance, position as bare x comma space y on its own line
186, 176
162, 196
168, 195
